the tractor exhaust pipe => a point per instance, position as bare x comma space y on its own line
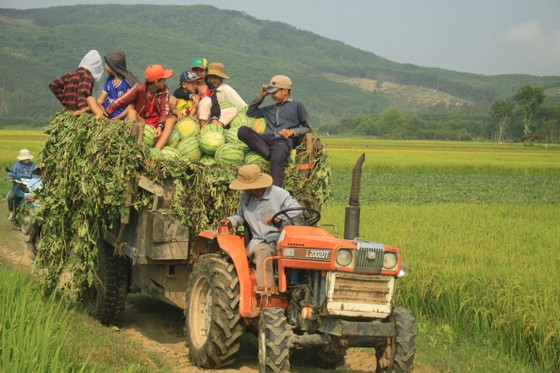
352, 217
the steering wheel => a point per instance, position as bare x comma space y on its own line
310, 216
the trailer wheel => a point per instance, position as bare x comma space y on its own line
402, 347
274, 336
213, 325
106, 298
332, 355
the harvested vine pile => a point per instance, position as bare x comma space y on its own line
89, 167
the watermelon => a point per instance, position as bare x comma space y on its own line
241, 119
189, 150
173, 139
230, 154
254, 158
154, 154
210, 127
259, 125
211, 141
207, 159
148, 136
225, 105
231, 138
187, 127
170, 154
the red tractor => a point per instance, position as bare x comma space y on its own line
330, 294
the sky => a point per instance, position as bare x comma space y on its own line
475, 36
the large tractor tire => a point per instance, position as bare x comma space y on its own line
402, 348
213, 325
106, 298
274, 336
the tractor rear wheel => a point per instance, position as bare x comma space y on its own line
273, 339
213, 325
106, 297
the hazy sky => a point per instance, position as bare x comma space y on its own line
479, 36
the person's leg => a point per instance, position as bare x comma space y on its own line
167, 129
10, 203
204, 107
279, 151
255, 141
227, 115
263, 251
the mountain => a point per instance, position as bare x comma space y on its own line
333, 79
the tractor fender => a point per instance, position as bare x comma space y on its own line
234, 247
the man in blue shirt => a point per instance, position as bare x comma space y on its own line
286, 122
257, 205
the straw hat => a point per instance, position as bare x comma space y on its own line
250, 177
24, 154
218, 69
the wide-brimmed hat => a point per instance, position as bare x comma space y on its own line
117, 62
279, 82
217, 68
251, 177
24, 154
156, 72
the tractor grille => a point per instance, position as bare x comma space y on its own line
352, 288
369, 257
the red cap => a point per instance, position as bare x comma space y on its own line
156, 72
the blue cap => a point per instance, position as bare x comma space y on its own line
188, 76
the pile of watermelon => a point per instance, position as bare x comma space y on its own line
211, 144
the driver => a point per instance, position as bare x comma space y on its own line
258, 203
22, 169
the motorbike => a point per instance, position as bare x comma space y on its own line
24, 203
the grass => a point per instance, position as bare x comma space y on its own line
478, 225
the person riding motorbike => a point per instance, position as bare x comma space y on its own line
23, 169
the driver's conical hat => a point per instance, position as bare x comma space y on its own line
251, 177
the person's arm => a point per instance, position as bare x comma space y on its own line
163, 106
102, 98
85, 88
12, 173
253, 110
303, 126
57, 87
128, 98
233, 97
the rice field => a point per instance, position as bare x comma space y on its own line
478, 225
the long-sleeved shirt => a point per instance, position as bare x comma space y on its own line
20, 171
73, 89
144, 105
253, 211
226, 93
290, 115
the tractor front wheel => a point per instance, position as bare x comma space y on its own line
274, 336
213, 325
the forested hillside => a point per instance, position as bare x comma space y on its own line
335, 80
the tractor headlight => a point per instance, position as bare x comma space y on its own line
390, 260
344, 257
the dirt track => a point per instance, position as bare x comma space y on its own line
158, 327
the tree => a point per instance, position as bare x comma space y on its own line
502, 111
529, 98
